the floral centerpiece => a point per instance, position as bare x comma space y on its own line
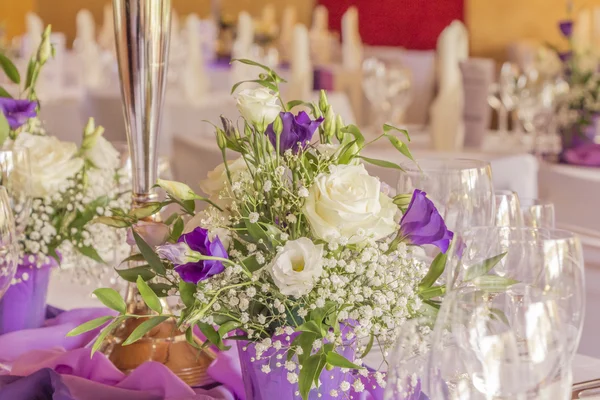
300, 255
580, 108
68, 186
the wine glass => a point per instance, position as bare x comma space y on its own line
387, 86
499, 344
16, 177
508, 209
407, 375
8, 243
461, 189
547, 259
538, 213
536, 113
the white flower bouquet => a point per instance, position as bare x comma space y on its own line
300, 254
69, 185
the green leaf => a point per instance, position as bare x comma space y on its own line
432, 292
212, 335
308, 374
132, 274
90, 212
89, 325
250, 62
171, 218
160, 289
9, 69
381, 163
187, 292
144, 328
348, 152
294, 103
369, 346
388, 128
177, 229
340, 361
90, 252
355, 131
134, 257
149, 255
191, 339
4, 93
4, 129
189, 205
493, 283
251, 264
482, 268
310, 326
228, 327
103, 333
111, 299
401, 147
435, 271
148, 295
305, 341
146, 211
261, 82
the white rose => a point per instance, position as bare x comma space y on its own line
216, 180
177, 190
52, 162
103, 155
297, 266
346, 200
258, 106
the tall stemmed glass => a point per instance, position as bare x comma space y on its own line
550, 260
502, 96
16, 177
8, 243
461, 189
483, 347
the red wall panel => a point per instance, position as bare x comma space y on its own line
414, 24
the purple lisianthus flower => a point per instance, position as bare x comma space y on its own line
566, 28
422, 223
186, 255
296, 129
17, 112
565, 56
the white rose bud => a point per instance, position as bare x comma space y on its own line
177, 190
258, 106
348, 200
297, 266
103, 155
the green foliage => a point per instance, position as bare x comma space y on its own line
148, 295
111, 299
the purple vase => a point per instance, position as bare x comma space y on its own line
24, 303
275, 385
580, 135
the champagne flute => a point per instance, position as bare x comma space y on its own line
508, 209
538, 213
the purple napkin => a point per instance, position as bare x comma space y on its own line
44, 384
586, 155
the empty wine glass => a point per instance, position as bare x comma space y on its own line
483, 347
538, 213
461, 189
15, 176
8, 243
535, 111
547, 259
508, 209
387, 87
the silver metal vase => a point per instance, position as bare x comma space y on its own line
142, 32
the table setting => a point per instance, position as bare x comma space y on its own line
317, 259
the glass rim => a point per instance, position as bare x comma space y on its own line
445, 164
545, 234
